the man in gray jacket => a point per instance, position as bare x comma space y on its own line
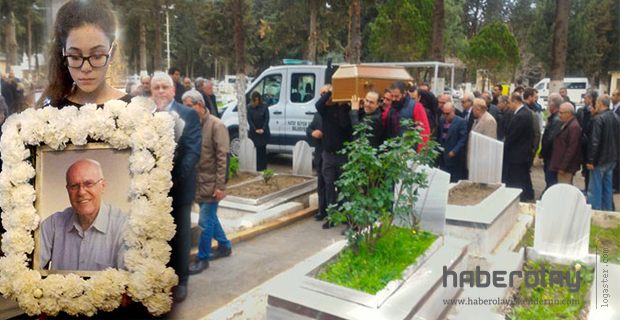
211, 182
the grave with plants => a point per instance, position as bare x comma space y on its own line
377, 187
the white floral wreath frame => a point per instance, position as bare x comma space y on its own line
121, 125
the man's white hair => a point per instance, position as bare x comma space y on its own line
160, 76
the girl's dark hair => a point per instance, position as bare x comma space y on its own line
73, 14
255, 95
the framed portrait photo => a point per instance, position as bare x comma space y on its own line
84, 195
92, 179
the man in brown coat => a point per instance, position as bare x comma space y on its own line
566, 152
211, 182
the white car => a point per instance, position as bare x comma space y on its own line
290, 92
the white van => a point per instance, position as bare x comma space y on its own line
290, 92
575, 88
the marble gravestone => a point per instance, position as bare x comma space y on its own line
302, 158
562, 225
484, 159
431, 203
247, 156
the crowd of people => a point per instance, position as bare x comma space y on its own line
567, 141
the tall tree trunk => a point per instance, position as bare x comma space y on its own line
142, 48
10, 41
438, 26
312, 36
158, 44
239, 40
354, 46
560, 45
29, 31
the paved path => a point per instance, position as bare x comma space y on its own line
252, 263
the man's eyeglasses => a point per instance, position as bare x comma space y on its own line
85, 185
96, 60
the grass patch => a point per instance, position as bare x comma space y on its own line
370, 272
527, 240
606, 240
604, 235
552, 302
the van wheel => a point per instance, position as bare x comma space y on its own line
235, 143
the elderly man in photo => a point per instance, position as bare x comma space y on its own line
186, 155
89, 234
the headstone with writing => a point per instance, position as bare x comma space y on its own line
302, 158
562, 225
247, 156
430, 206
484, 159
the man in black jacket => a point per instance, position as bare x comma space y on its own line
552, 128
370, 111
336, 131
602, 154
518, 148
615, 101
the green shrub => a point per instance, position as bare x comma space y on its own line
233, 166
366, 197
267, 175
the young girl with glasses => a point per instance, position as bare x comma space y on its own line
80, 55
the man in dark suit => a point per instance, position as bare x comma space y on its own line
205, 87
518, 148
188, 137
179, 89
452, 135
467, 102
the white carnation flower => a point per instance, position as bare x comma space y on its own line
159, 303
21, 173
114, 107
139, 185
16, 241
141, 161
160, 181
119, 139
21, 217
23, 195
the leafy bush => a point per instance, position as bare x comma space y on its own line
366, 197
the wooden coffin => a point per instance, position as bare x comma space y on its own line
358, 79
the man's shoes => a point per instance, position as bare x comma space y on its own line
320, 216
179, 293
221, 252
327, 225
198, 266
